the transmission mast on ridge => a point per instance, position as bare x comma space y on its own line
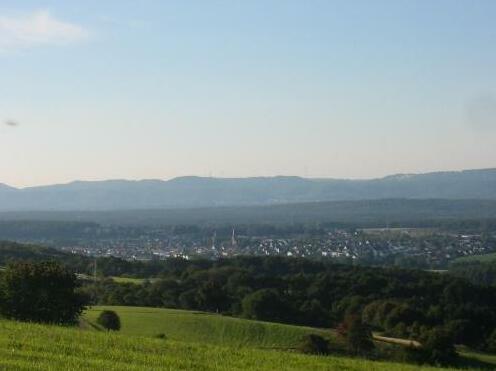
214, 238
233, 238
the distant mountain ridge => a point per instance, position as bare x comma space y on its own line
189, 192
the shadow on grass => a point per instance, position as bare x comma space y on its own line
83, 323
473, 363
467, 362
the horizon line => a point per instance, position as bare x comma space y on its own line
246, 177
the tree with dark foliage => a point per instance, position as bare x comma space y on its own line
40, 292
109, 320
265, 304
437, 349
491, 342
314, 344
358, 335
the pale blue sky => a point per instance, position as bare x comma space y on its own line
158, 89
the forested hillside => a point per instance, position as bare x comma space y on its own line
188, 192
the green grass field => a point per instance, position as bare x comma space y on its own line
202, 327
26, 346
484, 358
205, 328
136, 281
476, 258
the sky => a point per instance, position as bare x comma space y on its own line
118, 89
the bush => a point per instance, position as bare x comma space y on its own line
464, 332
402, 314
265, 305
40, 292
358, 335
314, 344
438, 348
398, 331
491, 342
109, 320
315, 314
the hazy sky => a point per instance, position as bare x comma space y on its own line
156, 89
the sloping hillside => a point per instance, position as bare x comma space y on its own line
38, 347
204, 327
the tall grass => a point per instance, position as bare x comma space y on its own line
203, 327
39, 347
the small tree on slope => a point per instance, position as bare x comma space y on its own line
109, 320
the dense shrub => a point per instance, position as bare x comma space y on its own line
357, 334
464, 332
109, 320
265, 304
438, 348
491, 342
314, 344
40, 292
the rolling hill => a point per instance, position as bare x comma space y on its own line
187, 192
25, 346
194, 341
201, 327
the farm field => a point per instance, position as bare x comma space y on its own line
484, 358
203, 327
415, 232
136, 281
476, 258
26, 346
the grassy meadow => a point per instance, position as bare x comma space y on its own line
485, 258
136, 281
206, 328
203, 327
25, 346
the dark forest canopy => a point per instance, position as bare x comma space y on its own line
40, 292
478, 272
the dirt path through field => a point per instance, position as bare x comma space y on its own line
404, 342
